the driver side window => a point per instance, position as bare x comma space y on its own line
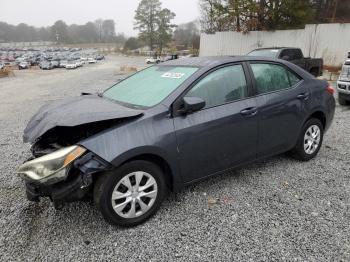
222, 86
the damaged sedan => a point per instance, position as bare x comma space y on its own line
170, 125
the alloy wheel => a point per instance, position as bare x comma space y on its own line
312, 139
134, 194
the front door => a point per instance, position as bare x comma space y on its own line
224, 133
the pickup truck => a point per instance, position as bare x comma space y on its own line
343, 83
293, 55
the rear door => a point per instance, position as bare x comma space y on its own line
282, 100
222, 134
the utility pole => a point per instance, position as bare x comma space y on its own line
57, 37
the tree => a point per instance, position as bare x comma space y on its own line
187, 36
331, 11
108, 30
98, 24
131, 44
213, 16
248, 15
59, 32
146, 20
165, 28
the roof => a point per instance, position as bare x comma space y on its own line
276, 47
211, 61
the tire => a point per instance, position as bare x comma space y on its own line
300, 152
108, 182
342, 101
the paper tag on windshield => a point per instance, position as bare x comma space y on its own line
173, 75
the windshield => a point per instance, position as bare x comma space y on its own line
265, 52
150, 86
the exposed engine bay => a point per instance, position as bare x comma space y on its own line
62, 136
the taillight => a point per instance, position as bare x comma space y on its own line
330, 90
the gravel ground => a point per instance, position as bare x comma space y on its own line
277, 209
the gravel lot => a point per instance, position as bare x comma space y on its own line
277, 209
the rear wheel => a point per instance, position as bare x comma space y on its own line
131, 194
310, 140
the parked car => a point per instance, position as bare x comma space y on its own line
71, 65
343, 84
23, 65
293, 55
55, 64
79, 62
153, 60
171, 125
46, 65
100, 57
169, 57
63, 63
92, 60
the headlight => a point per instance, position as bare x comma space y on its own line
50, 166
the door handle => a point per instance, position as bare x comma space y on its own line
304, 96
251, 111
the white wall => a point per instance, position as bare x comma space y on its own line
329, 41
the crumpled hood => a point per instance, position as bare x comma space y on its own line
75, 111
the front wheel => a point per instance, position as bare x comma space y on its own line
310, 140
131, 194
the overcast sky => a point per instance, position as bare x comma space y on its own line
46, 12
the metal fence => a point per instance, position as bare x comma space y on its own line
329, 41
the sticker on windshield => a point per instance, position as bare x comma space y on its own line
173, 75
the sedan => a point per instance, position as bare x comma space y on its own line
171, 125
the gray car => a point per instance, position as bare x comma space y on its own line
170, 125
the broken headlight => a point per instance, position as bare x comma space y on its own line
51, 166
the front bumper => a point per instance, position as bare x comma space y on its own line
75, 187
343, 87
66, 191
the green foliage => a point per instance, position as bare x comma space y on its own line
146, 20
132, 43
249, 15
287, 14
154, 23
165, 28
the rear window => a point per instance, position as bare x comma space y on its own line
273, 77
265, 52
149, 87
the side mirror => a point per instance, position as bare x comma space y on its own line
192, 104
285, 57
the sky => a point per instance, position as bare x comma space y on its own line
46, 12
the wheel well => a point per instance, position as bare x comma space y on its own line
159, 162
320, 116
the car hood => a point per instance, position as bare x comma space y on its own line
73, 112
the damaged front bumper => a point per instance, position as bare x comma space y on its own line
74, 185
